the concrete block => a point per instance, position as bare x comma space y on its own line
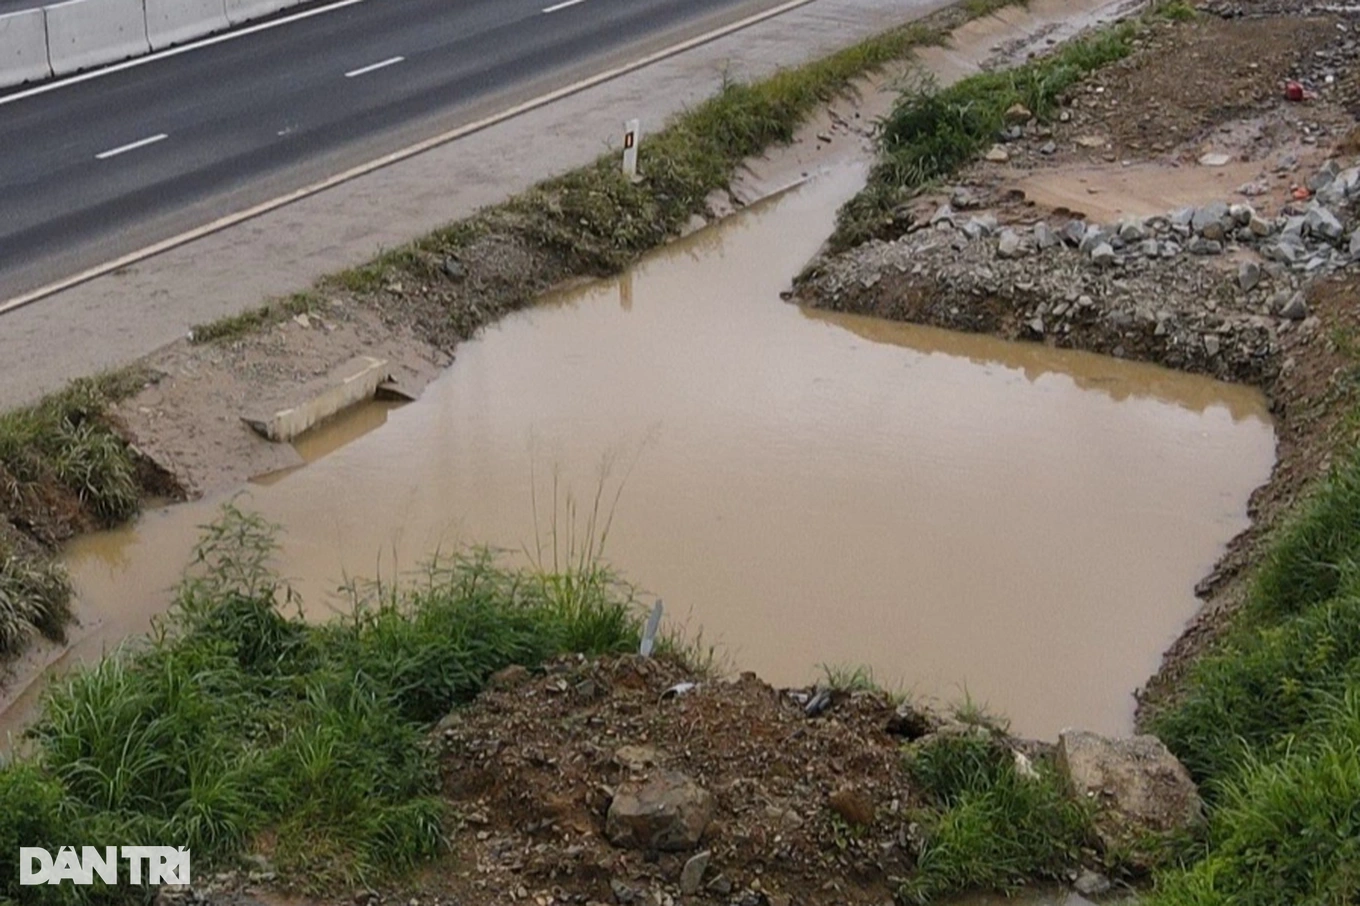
23, 48
176, 21
85, 33
352, 383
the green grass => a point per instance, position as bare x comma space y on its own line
66, 440
236, 326
1174, 10
932, 133
62, 466
979, 8
34, 598
985, 825
849, 678
236, 727
1269, 722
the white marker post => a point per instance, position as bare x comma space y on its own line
650, 630
630, 143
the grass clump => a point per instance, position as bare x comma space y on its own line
34, 597
63, 467
1174, 10
234, 327
66, 442
1285, 828
849, 678
978, 8
237, 727
932, 132
1269, 723
987, 824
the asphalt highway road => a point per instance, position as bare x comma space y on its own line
99, 168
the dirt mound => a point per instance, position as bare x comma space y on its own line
534, 764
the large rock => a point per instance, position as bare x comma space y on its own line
1139, 787
1214, 212
668, 812
1009, 245
1322, 223
1295, 308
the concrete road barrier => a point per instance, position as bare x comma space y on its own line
176, 21
348, 385
85, 33
23, 47
239, 11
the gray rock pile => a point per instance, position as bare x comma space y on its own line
1307, 240
1154, 288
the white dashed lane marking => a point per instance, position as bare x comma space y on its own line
123, 149
374, 66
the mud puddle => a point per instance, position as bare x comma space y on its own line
966, 516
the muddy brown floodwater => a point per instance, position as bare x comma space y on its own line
965, 516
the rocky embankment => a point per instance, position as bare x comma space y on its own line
637, 782
1209, 289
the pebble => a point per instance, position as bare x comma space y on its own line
1296, 309
1131, 231
692, 875
1045, 238
1009, 245
1091, 883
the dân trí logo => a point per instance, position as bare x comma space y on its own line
145, 865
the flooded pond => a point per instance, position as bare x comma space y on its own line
963, 515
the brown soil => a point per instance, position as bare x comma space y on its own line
1190, 80
535, 763
813, 810
189, 421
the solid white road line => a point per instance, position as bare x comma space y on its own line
174, 51
383, 65
556, 6
387, 160
133, 146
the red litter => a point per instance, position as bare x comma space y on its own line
1302, 193
1293, 91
